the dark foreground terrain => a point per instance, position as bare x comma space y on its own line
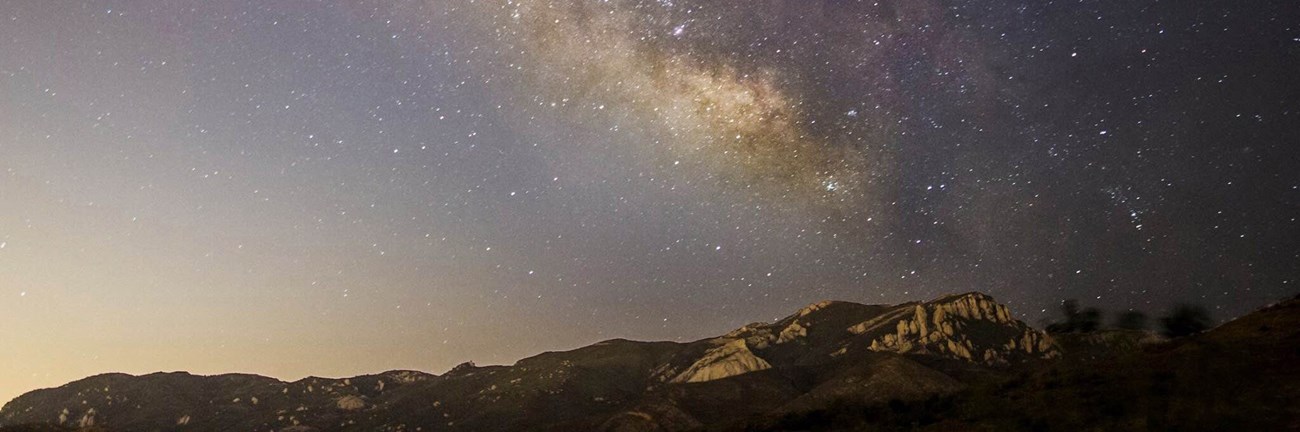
959, 362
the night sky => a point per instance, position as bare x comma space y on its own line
332, 189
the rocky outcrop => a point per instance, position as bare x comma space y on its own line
792, 332
88, 419
730, 359
820, 355
757, 335
807, 310
761, 336
350, 403
406, 377
969, 327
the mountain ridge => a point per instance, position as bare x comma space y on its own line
825, 355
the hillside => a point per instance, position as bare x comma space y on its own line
1239, 376
958, 362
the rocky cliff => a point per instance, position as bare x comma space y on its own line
969, 327
728, 359
826, 355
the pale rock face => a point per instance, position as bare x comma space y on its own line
792, 332
876, 322
936, 328
813, 308
759, 336
730, 359
407, 377
746, 330
756, 335
87, 420
351, 403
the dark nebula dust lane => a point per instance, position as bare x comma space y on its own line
290, 189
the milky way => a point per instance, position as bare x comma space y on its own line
741, 125
343, 188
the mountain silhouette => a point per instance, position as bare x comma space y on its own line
959, 362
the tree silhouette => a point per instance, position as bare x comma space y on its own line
1185, 320
1131, 320
1076, 320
